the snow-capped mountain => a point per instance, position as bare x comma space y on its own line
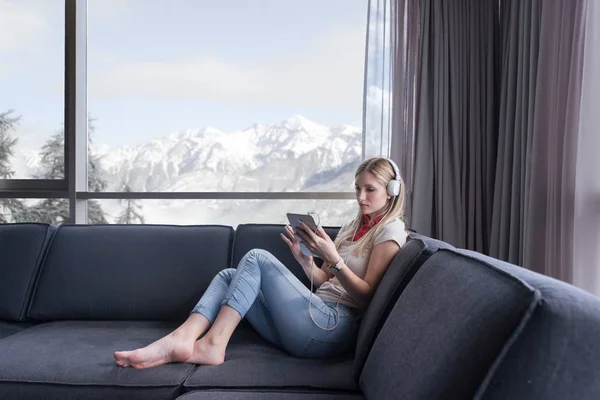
294, 155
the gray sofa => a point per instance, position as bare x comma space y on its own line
444, 323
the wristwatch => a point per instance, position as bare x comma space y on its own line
334, 268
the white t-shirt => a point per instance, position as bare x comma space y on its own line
333, 289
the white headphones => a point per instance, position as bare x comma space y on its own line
393, 186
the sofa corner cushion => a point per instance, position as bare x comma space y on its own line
128, 272
557, 355
401, 270
450, 325
22, 248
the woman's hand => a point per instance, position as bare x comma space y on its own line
292, 242
318, 243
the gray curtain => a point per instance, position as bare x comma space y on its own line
542, 58
586, 263
520, 48
486, 111
406, 71
456, 120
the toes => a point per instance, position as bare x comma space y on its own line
121, 358
119, 355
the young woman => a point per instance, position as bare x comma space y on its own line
277, 304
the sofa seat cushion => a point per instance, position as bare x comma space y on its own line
251, 362
453, 320
266, 395
8, 328
71, 359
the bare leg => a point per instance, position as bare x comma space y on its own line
177, 346
210, 349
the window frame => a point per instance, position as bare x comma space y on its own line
74, 185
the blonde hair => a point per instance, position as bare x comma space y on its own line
383, 172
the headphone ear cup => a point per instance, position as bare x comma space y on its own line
393, 187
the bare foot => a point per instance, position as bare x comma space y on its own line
171, 348
207, 353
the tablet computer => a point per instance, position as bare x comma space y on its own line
295, 222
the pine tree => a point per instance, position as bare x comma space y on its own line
7, 142
132, 211
56, 211
95, 182
11, 210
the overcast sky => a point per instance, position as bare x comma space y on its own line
158, 66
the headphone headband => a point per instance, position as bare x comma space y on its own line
393, 186
395, 168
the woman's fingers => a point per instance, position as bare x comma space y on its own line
303, 235
308, 242
289, 243
307, 229
290, 233
305, 239
321, 232
311, 236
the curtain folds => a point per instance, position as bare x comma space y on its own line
539, 114
494, 132
456, 121
520, 49
586, 228
405, 41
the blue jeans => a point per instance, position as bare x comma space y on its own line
275, 303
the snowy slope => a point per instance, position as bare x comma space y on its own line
294, 155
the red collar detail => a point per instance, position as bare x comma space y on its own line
367, 225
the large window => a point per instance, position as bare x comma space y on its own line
227, 95
49, 210
219, 212
197, 111
32, 136
32, 61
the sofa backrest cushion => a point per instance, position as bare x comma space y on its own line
413, 254
128, 272
400, 271
266, 237
447, 328
22, 248
433, 245
557, 354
